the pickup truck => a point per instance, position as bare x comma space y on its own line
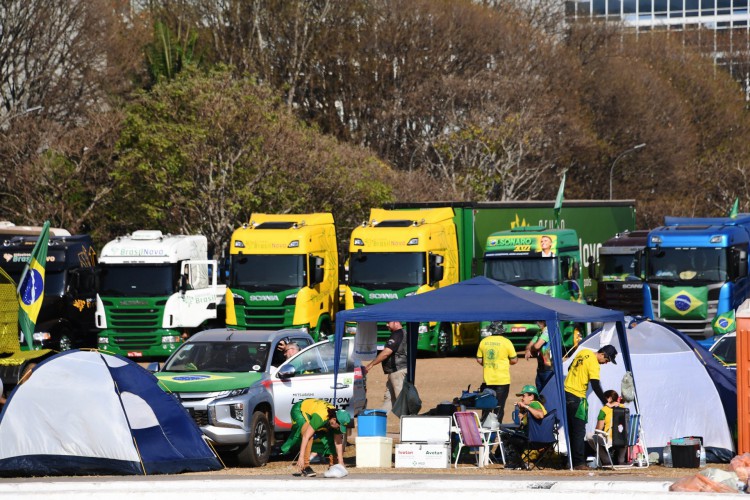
239, 388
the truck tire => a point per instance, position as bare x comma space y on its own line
257, 452
444, 340
325, 331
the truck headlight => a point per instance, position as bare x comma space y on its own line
170, 339
423, 329
103, 340
40, 336
351, 329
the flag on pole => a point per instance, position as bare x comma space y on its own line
31, 286
559, 199
735, 208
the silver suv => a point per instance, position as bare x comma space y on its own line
239, 388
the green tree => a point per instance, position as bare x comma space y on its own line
201, 152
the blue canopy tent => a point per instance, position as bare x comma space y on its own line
483, 299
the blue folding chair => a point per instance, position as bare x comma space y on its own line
542, 440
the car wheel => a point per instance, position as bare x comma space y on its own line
444, 341
65, 343
258, 450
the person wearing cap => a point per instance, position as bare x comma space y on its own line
496, 353
393, 356
584, 370
539, 347
530, 404
315, 418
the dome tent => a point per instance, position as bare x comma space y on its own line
87, 413
682, 390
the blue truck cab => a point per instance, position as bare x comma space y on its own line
695, 272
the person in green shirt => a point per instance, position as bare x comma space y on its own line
313, 417
539, 347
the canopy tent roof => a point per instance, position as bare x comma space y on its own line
479, 299
484, 299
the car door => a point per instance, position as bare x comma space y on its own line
313, 378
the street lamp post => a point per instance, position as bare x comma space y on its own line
612, 169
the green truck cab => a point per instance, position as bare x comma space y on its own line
546, 261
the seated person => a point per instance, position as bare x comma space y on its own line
514, 442
284, 351
604, 423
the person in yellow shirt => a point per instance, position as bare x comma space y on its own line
311, 416
584, 370
496, 353
604, 423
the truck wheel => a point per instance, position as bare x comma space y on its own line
444, 341
258, 450
325, 331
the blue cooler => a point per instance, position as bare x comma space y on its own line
372, 423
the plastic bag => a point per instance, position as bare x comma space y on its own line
336, 471
408, 401
698, 482
741, 466
627, 388
727, 478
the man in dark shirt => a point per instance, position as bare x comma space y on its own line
393, 357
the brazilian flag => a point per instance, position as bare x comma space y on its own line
724, 323
31, 286
683, 302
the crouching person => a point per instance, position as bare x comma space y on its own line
315, 418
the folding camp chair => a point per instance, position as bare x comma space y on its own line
632, 434
472, 435
542, 440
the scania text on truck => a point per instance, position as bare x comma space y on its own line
154, 290
695, 271
619, 287
546, 261
283, 273
66, 318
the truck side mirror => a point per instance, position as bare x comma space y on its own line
591, 265
315, 265
183, 283
738, 264
638, 264
437, 271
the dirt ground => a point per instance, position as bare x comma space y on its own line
440, 380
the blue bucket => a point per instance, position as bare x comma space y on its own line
372, 423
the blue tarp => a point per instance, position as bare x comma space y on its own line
484, 299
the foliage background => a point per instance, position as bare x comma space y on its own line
189, 115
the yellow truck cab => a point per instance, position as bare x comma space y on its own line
397, 253
283, 273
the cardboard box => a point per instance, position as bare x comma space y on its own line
373, 451
423, 456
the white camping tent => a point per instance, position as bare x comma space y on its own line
85, 413
678, 395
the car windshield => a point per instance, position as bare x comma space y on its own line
522, 271
220, 357
387, 271
687, 264
267, 272
138, 280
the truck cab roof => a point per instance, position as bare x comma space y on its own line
625, 243
153, 247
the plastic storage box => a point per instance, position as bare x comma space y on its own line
374, 451
372, 423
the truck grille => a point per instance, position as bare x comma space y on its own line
137, 342
613, 296
134, 320
265, 317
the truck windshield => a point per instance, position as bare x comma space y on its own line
387, 270
138, 280
522, 271
687, 264
268, 272
622, 265
219, 357
54, 281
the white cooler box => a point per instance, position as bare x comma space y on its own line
374, 451
423, 456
